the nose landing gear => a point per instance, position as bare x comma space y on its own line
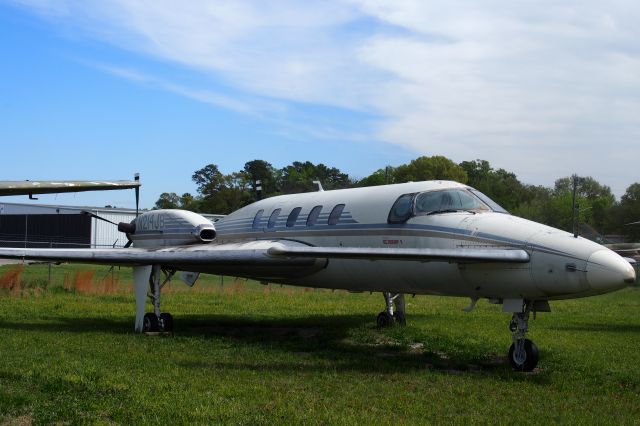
523, 353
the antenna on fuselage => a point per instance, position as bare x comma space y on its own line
320, 188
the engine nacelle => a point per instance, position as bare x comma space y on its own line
160, 228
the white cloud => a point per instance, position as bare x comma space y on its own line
542, 88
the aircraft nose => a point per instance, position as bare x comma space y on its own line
607, 271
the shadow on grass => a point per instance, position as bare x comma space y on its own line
608, 328
313, 343
71, 325
341, 343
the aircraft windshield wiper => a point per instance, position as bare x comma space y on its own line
449, 211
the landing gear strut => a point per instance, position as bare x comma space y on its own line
391, 316
523, 353
157, 321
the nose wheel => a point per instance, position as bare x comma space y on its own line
394, 312
523, 355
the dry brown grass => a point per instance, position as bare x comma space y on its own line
237, 287
10, 280
83, 282
92, 281
86, 282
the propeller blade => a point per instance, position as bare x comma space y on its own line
98, 217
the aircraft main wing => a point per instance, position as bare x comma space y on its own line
54, 187
249, 259
258, 253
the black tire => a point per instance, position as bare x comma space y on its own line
150, 323
384, 320
166, 320
400, 319
531, 357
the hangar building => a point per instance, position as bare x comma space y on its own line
43, 226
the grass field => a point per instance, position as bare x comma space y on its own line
243, 353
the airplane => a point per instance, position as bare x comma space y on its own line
419, 238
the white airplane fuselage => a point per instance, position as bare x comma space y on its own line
560, 265
434, 237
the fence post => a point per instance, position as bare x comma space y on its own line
50, 246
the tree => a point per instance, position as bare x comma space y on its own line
260, 170
299, 177
500, 185
593, 199
430, 168
219, 193
628, 212
209, 180
536, 206
168, 200
379, 177
187, 201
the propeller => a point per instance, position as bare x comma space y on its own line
130, 228
127, 228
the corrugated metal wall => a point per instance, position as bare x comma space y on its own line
45, 230
104, 234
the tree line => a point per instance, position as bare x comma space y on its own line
599, 212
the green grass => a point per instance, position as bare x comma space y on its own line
246, 355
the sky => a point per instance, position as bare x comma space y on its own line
102, 89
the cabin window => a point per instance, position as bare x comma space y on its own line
447, 200
313, 215
293, 217
334, 217
401, 209
257, 219
273, 218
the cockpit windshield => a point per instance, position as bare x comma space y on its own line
441, 201
448, 200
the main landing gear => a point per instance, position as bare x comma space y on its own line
148, 285
523, 353
391, 316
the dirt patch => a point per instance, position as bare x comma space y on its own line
25, 420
